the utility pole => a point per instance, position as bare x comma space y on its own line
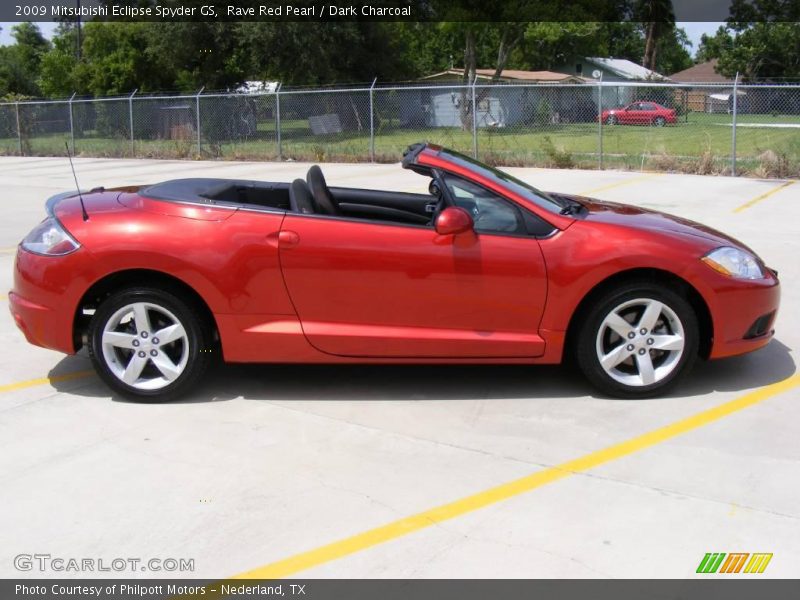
733, 123
79, 44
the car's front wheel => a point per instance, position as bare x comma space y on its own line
149, 344
637, 341
659, 121
611, 120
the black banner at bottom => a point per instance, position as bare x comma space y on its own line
713, 588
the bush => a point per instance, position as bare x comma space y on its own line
543, 112
560, 158
773, 164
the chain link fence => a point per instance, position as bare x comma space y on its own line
699, 128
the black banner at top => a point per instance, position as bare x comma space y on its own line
398, 10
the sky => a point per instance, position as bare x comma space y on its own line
693, 30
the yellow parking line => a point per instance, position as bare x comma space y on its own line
610, 186
12, 387
401, 527
763, 196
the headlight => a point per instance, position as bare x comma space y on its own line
734, 263
50, 238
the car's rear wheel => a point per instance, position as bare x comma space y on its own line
611, 120
659, 121
637, 341
149, 344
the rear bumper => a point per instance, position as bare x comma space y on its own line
43, 300
40, 324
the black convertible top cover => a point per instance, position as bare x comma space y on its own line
209, 190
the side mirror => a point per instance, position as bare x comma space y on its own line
453, 220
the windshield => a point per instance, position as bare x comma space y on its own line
527, 191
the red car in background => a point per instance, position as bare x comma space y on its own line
156, 281
640, 113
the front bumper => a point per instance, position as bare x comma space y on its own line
744, 317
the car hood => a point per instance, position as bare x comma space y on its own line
627, 215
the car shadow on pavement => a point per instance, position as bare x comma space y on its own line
438, 382
769, 365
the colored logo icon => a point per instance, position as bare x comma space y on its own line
734, 562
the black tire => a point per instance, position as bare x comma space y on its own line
659, 121
588, 342
163, 307
611, 120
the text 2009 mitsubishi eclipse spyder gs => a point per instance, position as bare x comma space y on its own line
157, 280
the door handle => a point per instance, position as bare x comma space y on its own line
288, 239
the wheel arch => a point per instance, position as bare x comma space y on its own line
650, 275
113, 282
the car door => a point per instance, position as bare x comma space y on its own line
374, 289
649, 113
632, 114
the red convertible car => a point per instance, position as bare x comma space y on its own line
640, 113
155, 281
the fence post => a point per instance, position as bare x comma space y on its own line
474, 122
130, 117
733, 135
600, 121
278, 118
372, 121
197, 100
19, 131
71, 124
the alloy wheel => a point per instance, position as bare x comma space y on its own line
145, 346
640, 342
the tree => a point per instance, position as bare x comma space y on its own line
14, 78
759, 41
549, 44
713, 46
31, 45
763, 51
191, 55
20, 62
58, 74
672, 53
116, 59
322, 53
658, 18
427, 48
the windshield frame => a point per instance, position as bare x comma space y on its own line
548, 202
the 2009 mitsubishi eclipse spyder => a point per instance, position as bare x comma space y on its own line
157, 280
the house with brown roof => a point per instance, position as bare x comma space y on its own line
699, 99
705, 72
518, 98
508, 76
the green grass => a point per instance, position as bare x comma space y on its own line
696, 136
